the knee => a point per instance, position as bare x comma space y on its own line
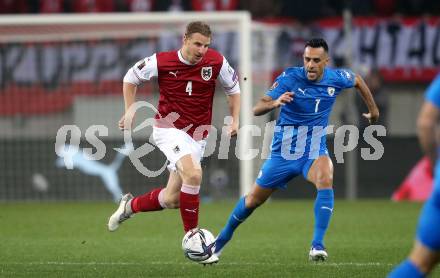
424, 258
324, 181
171, 201
192, 177
253, 201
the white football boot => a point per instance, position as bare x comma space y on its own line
211, 260
317, 254
218, 253
121, 214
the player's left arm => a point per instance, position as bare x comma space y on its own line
229, 79
426, 126
373, 112
234, 108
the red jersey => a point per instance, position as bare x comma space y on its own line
186, 89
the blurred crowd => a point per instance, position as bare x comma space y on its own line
260, 9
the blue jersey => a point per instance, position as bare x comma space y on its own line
433, 92
428, 231
313, 101
306, 117
299, 136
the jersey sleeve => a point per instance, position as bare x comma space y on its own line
142, 71
228, 78
279, 87
345, 78
433, 92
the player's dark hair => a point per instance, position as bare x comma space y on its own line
317, 43
198, 27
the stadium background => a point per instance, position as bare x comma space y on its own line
52, 220
47, 84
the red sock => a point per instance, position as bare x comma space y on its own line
147, 202
189, 206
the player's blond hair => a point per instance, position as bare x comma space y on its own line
198, 27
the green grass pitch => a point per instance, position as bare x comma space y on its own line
365, 239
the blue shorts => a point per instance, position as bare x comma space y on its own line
293, 152
277, 171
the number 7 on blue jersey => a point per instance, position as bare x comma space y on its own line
318, 100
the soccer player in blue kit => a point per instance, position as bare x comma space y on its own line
306, 96
426, 251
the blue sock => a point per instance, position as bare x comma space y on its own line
238, 216
406, 270
323, 212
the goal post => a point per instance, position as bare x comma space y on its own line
51, 30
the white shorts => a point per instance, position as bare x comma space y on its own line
175, 144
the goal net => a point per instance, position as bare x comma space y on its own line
62, 75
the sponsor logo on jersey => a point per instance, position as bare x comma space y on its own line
274, 85
141, 65
347, 74
176, 149
206, 73
331, 91
235, 77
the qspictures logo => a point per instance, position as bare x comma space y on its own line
295, 142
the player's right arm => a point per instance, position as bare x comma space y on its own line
129, 92
428, 119
278, 95
267, 104
142, 71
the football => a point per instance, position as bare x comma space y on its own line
198, 244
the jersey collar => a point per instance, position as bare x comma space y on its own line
324, 74
183, 60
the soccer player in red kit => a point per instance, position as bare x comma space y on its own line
186, 80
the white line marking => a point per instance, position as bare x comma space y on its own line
324, 264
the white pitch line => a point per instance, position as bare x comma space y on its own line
325, 264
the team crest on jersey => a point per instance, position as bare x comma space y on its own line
331, 91
206, 73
